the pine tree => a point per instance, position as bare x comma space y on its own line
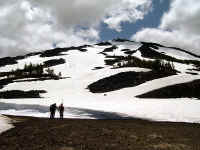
30, 68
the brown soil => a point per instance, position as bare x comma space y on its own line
72, 134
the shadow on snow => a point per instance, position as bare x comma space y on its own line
69, 111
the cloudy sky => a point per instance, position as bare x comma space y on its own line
31, 25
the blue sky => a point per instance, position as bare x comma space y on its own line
151, 20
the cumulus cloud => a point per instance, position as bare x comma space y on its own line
40, 24
179, 26
170, 38
87, 12
25, 26
127, 11
184, 15
76, 12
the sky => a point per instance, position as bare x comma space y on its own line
34, 25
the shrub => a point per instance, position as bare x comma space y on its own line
29, 69
156, 65
33, 69
21, 94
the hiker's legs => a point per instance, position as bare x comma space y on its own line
61, 115
51, 114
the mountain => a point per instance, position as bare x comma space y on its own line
113, 79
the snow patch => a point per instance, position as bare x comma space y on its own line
5, 124
176, 53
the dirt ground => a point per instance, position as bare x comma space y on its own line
75, 134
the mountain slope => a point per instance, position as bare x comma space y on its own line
82, 66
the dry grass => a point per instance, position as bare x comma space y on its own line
76, 134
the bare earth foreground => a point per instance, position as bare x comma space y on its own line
74, 134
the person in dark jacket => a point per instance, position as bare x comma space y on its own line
53, 110
61, 110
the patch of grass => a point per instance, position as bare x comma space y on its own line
21, 94
54, 62
53, 52
110, 49
90, 134
130, 52
184, 90
192, 73
123, 80
147, 50
58, 51
97, 68
7, 61
5, 81
104, 44
121, 40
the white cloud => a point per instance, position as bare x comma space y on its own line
24, 27
75, 12
179, 27
37, 24
169, 38
184, 15
91, 12
127, 11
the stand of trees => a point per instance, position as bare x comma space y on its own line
31, 70
156, 65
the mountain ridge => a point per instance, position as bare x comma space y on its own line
55, 51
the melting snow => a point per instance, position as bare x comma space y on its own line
176, 53
4, 124
80, 103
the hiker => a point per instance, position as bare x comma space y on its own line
61, 110
53, 110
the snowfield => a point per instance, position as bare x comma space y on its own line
32, 59
4, 124
176, 53
79, 102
